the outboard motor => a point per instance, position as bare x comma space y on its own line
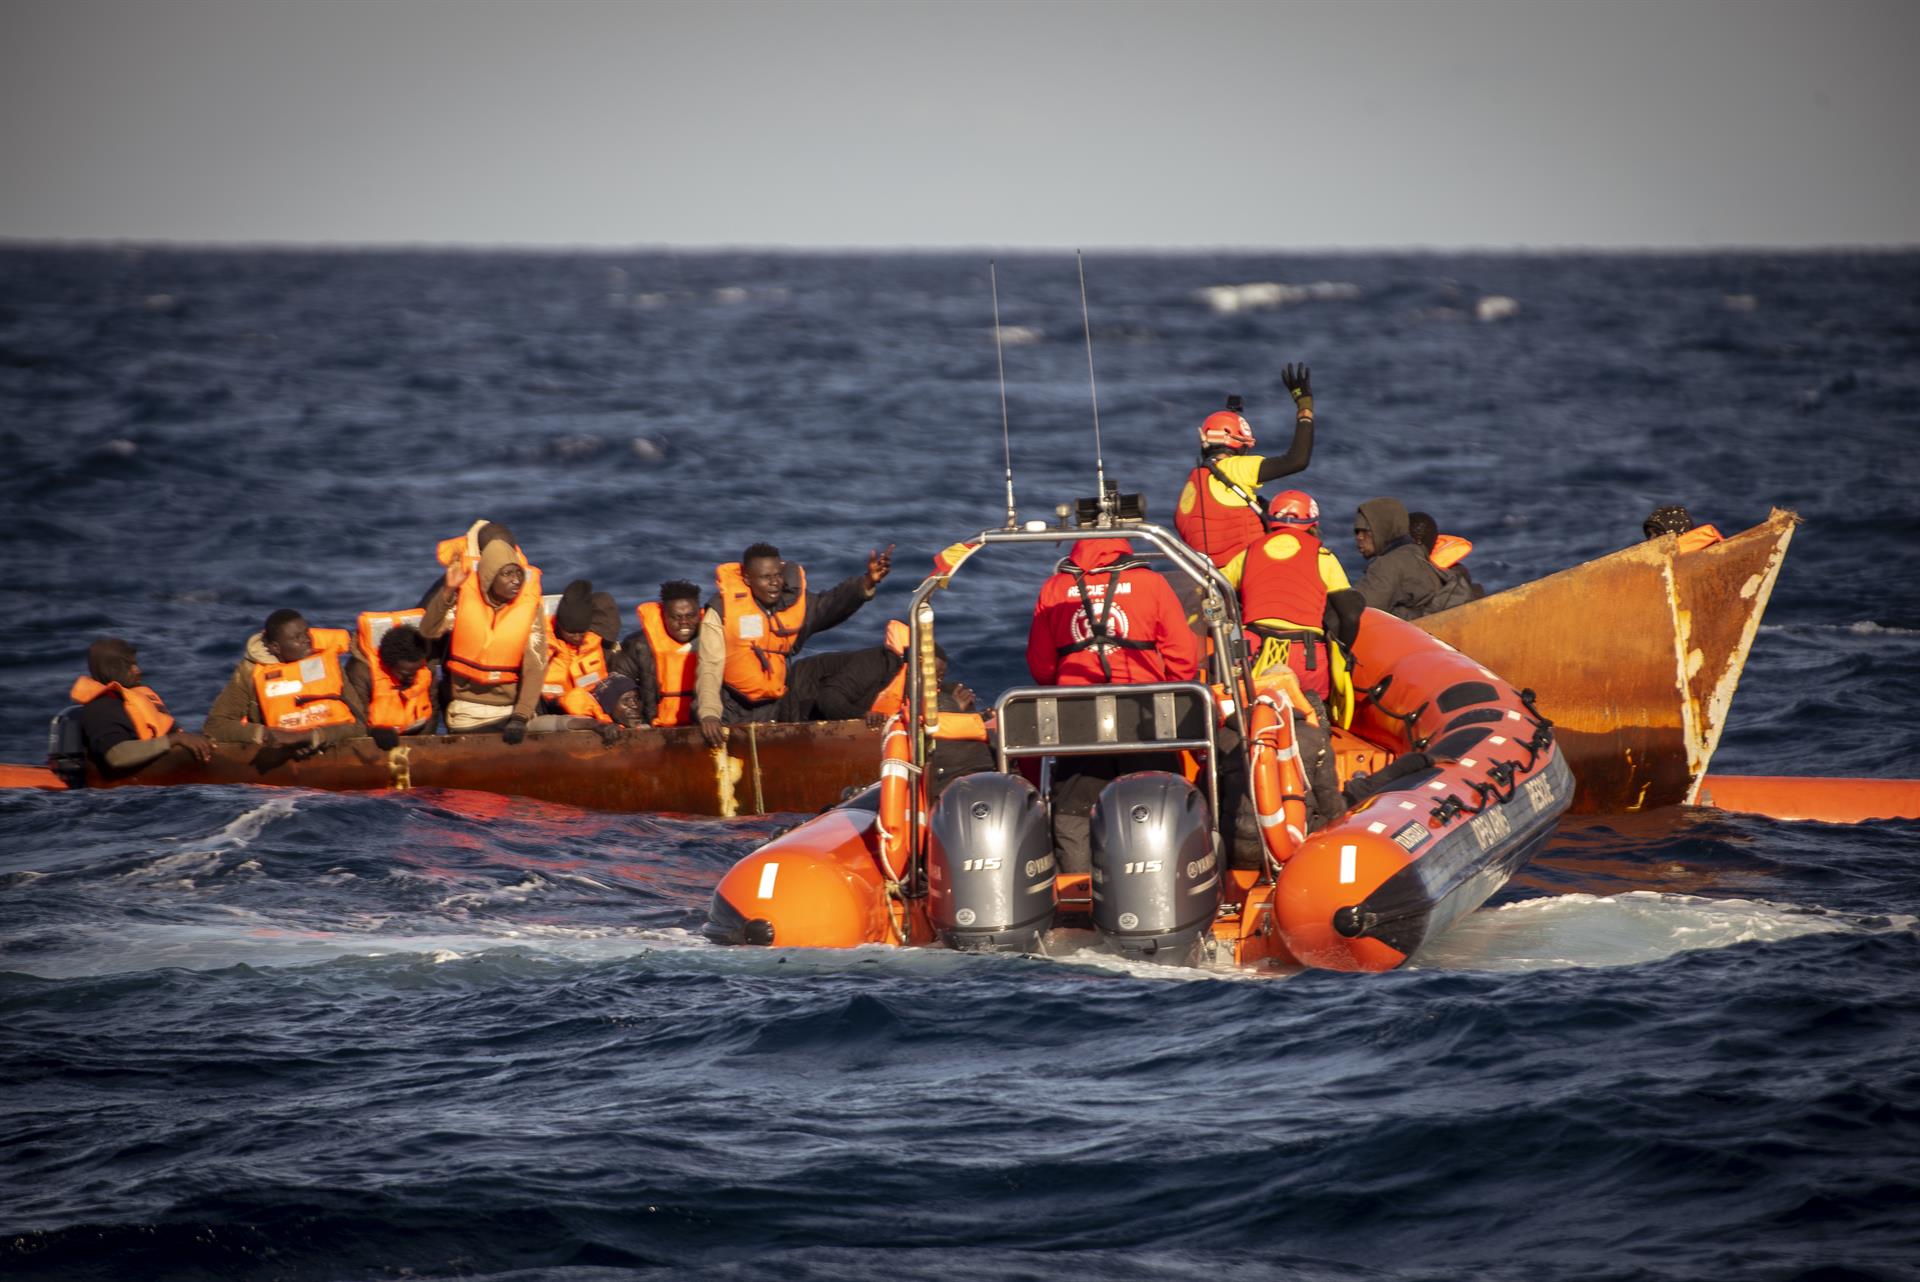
1156, 867
66, 750
990, 865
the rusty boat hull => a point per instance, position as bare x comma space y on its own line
764, 769
1634, 657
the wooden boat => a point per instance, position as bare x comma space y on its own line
764, 769
1634, 656
976, 869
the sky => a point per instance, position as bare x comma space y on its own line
1044, 124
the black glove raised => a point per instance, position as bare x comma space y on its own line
514, 731
385, 738
1299, 381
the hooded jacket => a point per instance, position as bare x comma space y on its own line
1101, 591
1399, 579
235, 716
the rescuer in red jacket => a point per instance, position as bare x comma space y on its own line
1104, 618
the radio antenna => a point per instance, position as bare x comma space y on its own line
1086, 323
1000, 356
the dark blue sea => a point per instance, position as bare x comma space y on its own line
271, 1034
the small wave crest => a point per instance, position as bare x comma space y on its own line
1226, 300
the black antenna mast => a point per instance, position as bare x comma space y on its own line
1099, 461
999, 355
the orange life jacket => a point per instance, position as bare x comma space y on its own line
145, 709
305, 695
573, 672
1283, 599
1217, 530
1449, 550
1700, 536
758, 641
389, 705
674, 663
489, 641
893, 696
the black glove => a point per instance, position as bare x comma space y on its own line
514, 731
1299, 381
609, 733
385, 738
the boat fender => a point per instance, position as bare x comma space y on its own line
66, 748
1156, 867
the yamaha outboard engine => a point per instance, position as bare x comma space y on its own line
1156, 867
66, 750
990, 865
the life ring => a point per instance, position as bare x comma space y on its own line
1279, 778
896, 792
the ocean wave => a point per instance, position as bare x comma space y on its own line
1226, 300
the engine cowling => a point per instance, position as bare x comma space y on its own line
1156, 866
990, 865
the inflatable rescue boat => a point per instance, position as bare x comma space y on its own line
1454, 781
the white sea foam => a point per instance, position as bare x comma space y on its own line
1262, 295
1859, 628
1624, 930
1496, 307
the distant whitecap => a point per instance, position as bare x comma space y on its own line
1261, 295
1495, 307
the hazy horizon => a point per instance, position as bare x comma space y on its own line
1297, 127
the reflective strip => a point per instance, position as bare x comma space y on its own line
891, 769
1348, 857
1273, 820
767, 874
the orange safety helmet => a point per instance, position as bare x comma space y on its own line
1226, 427
1294, 507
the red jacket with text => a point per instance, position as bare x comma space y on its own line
1106, 619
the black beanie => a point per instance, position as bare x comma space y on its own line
576, 607
608, 692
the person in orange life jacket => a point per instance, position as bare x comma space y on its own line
758, 619
1447, 552
1399, 579
288, 690
497, 648
1674, 519
124, 724
1219, 509
846, 685
577, 665
619, 698
395, 688
1104, 618
661, 656
951, 758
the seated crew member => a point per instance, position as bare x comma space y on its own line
661, 656
124, 724
1104, 618
497, 641
1447, 552
396, 688
759, 617
576, 656
1674, 519
1219, 510
289, 690
1399, 579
